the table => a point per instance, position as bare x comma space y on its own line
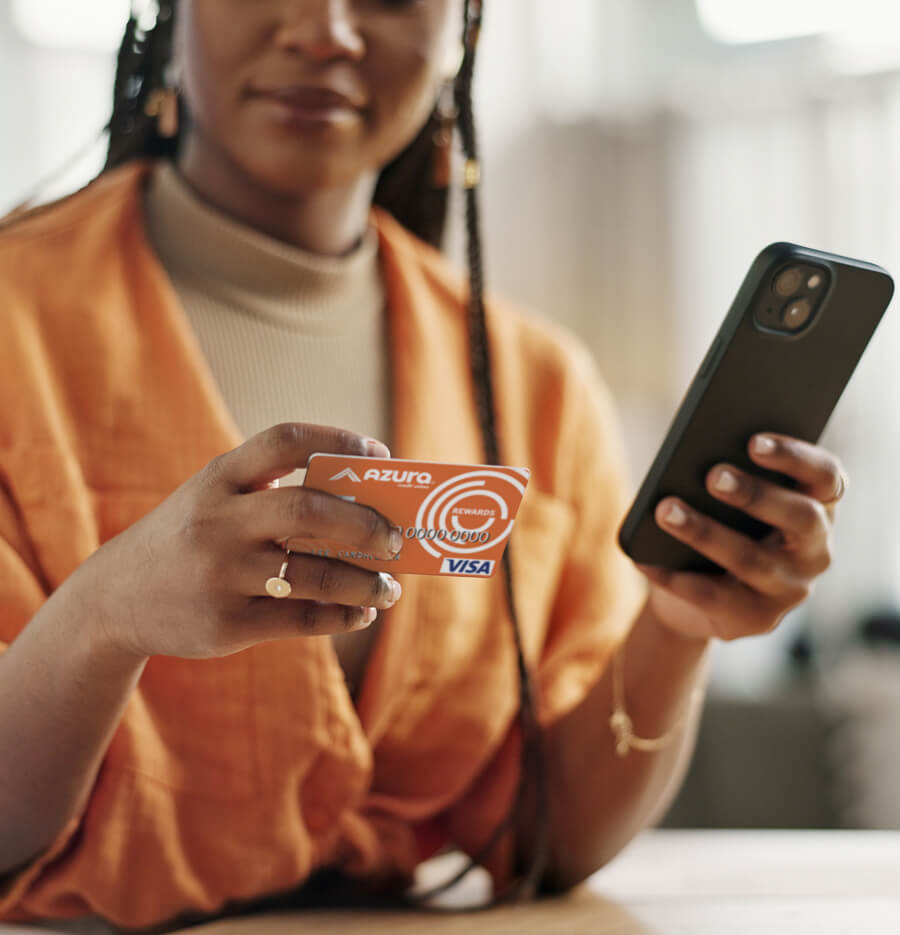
678, 883
672, 883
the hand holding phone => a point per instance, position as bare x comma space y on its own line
779, 363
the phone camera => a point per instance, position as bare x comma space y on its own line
796, 314
788, 282
791, 302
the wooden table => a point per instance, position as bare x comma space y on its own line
678, 883
672, 883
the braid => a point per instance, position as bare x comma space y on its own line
143, 58
477, 324
532, 743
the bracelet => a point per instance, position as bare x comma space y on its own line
622, 725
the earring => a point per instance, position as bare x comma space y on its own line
162, 104
444, 118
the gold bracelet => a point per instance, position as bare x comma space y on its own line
621, 723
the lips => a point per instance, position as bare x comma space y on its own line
312, 109
311, 98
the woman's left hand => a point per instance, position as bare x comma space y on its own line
765, 578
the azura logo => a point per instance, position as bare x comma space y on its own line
388, 476
467, 566
348, 472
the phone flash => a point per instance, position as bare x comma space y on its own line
814, 281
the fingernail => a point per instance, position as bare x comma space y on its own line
396, 542
763, 445
675, 516
369, 615
392, 585
377, 449
726, 482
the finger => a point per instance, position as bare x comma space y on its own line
801, 520
288, 513
759, 567
818, 471
733, 609
283, 448
286, 619
315, 578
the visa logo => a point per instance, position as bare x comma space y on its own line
467, 566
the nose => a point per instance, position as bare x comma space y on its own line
322, 30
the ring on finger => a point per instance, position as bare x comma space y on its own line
279, 587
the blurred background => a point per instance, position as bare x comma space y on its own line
638, 155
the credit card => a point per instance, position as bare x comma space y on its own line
456, 518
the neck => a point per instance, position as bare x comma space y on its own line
329, 222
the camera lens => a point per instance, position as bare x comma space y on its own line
789, 281
796, 314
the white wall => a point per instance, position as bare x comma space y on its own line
53, 103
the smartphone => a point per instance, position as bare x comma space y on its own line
779, 363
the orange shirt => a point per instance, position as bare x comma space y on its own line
230, 779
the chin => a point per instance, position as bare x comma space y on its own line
303, 176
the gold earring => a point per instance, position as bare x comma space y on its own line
442, 138
162, 104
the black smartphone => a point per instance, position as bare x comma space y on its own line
779, 363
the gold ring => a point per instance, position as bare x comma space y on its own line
279, 586
842, 489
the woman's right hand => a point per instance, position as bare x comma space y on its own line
188, 579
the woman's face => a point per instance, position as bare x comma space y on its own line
310, 94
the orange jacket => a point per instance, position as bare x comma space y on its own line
233, 778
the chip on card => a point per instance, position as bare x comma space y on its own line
456, 518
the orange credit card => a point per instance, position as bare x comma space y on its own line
456, 518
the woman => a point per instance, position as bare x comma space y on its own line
176, 740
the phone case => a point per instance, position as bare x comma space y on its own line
751, 380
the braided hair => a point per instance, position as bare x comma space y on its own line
406, 189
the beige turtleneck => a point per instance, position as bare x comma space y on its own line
289, 336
